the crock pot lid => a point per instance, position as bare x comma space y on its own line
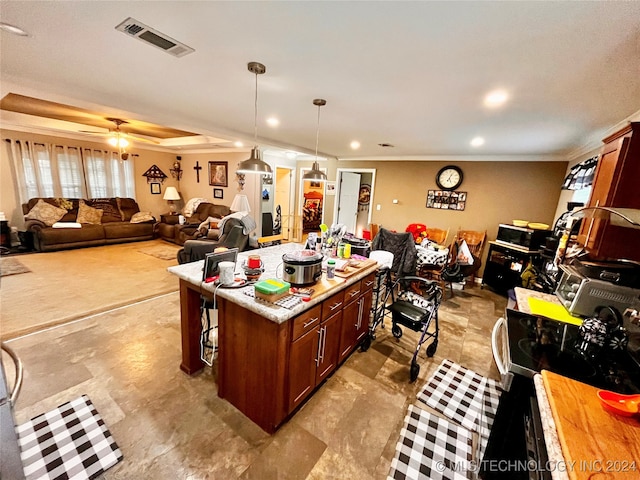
302, 256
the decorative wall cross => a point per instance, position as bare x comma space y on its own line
197, 168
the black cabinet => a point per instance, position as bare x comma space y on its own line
505, 265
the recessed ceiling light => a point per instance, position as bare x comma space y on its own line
273, 122
477, 142
13, 29
355, 145
496, 98
238, 144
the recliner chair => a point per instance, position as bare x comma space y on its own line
233, 236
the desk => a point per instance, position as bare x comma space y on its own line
265, 351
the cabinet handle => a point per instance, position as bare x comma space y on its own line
324, 342
353, 294
310, 322
323, 336
369, 283
319, 354
334, 306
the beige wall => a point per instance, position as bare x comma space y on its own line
497, 192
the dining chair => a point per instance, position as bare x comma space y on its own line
475, 241
438, 235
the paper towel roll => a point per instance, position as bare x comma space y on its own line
226, 272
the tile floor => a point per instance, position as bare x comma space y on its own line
172, 426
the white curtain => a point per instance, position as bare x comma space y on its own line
45, 170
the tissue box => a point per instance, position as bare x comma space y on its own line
271, 289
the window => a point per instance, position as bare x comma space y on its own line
70, 172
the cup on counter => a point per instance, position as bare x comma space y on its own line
226, 272
254, 262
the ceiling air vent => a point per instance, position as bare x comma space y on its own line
142, 32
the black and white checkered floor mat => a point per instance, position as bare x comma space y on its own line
69, 442
432, 448
467, 398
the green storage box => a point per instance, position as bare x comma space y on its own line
271, 289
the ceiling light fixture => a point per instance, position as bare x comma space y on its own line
254, 164
355, 145
273, 122
496, 98
7, 27
477, 142
315, 174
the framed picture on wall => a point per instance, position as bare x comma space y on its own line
218, 193
218, 176
156, 189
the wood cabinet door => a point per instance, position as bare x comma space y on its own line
365, 315
329, 346
349, 330
303, 363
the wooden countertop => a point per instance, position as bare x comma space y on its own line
272, 260
595, 444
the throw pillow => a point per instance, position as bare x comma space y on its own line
142, 217
87, 214
46, 213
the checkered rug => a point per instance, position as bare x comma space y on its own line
69, 442
432, 448
467, 398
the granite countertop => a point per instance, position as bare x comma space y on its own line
272, 260
554, 449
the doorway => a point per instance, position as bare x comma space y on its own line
350, 209
283, 214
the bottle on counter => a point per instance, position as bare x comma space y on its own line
331, 269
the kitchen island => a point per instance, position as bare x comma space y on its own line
271, 358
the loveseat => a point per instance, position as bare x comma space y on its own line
169, 228
59, 223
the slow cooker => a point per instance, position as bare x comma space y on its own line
302, 267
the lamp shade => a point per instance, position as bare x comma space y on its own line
240, 204
171, 193
315, 174
254, 164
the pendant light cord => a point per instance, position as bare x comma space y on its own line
317, 133
255, 118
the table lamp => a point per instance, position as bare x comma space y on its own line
240, 204
171, 195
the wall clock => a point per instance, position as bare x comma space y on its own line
449, 177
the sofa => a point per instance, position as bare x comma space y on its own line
169, 227
232, 236
62, 223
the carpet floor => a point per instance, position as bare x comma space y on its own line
70, 284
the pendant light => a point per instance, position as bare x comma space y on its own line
315, 174
254, 164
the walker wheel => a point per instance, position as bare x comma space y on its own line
365, 344
414, 371
431, 349
396, 331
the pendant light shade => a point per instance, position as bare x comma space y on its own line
254, 163
315, 174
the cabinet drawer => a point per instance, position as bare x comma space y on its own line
306, 321
332, 305
368, 282
352, 292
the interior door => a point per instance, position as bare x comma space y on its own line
348, 200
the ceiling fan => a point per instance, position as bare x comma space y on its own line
117, 137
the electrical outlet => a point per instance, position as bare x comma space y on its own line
378, 207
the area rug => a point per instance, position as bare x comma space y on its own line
163, 252
71, 441
11, 266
